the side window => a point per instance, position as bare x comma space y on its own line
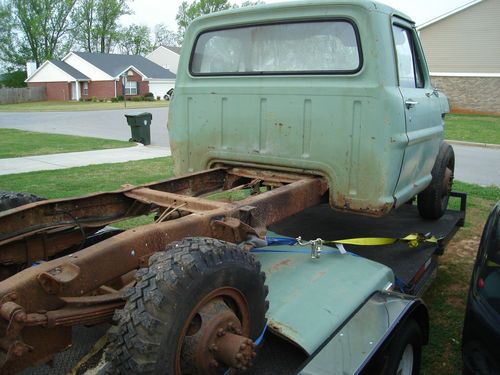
409, 68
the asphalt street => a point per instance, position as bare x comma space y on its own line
110, 124
477, 165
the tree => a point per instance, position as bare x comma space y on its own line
163, 36
37, 29
8, 38
83, 30
13, 78
96, 24
135, 40
188, 12
249, 4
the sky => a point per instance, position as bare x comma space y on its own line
152, 12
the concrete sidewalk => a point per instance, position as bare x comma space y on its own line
79, 159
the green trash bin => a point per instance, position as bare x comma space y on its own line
140, 127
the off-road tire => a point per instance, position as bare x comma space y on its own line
146, 336
433, 201
409, 334
9, 199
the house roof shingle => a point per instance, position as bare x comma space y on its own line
76, 74
115, 64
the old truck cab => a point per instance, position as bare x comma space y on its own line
339, 89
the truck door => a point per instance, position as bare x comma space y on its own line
424, 125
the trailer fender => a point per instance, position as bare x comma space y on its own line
416, 311
360, 344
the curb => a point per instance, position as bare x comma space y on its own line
472, 144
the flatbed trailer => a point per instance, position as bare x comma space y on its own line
43, 301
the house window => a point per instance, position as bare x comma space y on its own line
131, 88
85, 88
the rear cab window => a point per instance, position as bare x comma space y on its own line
313, 47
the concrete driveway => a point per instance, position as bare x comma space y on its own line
110, 124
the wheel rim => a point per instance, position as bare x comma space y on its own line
405, 366
215, 335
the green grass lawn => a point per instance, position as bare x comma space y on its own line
77, 106
472, 128
70, 182
16, 143
445, 298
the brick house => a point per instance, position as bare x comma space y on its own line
462, 49
86, 75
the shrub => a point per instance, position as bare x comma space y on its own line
119, 98
158, 98
94, 99
137, 98
88, 99
114, 100
149, 95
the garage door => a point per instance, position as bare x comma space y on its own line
161, 88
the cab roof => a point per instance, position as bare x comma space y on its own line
266, 8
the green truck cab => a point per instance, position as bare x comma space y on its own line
339, 89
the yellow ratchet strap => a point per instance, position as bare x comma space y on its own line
413, 240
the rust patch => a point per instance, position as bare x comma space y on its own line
340, 202
283, 329
281, 264
318, 276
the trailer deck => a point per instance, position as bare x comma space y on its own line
406, 263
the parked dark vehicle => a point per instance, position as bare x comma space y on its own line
481, 334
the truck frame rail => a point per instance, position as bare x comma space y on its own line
62, 283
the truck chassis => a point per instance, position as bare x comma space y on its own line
71, 273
